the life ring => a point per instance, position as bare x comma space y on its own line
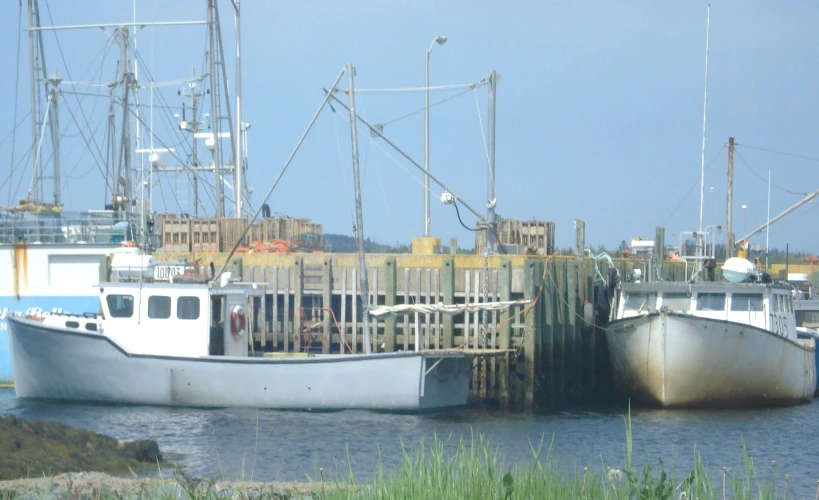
238, 321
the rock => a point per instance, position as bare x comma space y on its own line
33, 448
143, 450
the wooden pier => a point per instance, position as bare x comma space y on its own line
545, 353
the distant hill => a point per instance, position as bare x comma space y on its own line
341, 243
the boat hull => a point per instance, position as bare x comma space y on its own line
51, 363
674, 360
37, 279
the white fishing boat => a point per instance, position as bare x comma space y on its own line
710, 344
50, 252
186, 344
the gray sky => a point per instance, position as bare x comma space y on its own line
599, 111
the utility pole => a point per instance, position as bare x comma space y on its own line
492, 227
729, 224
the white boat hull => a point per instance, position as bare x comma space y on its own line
677, 360
72, 365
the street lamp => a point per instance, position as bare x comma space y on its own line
440, 40
744, 220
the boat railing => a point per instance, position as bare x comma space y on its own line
92, 227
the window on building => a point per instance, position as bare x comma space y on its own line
120, 306
159, 307
711, 302
187, 308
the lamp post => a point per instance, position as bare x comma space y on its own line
744, 219
438, 40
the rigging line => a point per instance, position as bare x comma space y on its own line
341, 162
801, 193
380, 180
483, 134
67, 70
421, 109
792, 155
24, 159
87, 145
409, 172
413, 89
9, 135
16, 93
682, 200
171, 125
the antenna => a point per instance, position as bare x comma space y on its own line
704, 114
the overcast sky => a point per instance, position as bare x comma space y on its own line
599, 111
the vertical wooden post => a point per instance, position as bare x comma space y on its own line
560, 329
327, 303
389, 300
354, 308
572, 342
373, 301
547, 299
262, 307
531, 331
448, 286
343, 318
505, 334
298, 291
589, 327
406, 301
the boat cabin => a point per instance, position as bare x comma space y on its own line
175, 319
763, 305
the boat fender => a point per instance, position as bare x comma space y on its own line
238, 321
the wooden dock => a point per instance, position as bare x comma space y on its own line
543, 354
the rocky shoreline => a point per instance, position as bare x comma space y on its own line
42, 459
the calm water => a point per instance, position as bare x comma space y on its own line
275, 445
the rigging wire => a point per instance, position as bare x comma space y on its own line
483, 135
436, 103
766, 180
16, 94
792, 155
68, 72
685, 196
341, 162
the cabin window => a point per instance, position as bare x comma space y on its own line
187, 308
779, 305
72, 324
711, 302
159, 307
746, 302
676, 301
120, 306
91, 327
641, 301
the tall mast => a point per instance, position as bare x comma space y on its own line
37, 70
238, 178
491, 229
359, 218
125, 151
704, 114
729, 209
214, 109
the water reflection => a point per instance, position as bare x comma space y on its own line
277, 445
